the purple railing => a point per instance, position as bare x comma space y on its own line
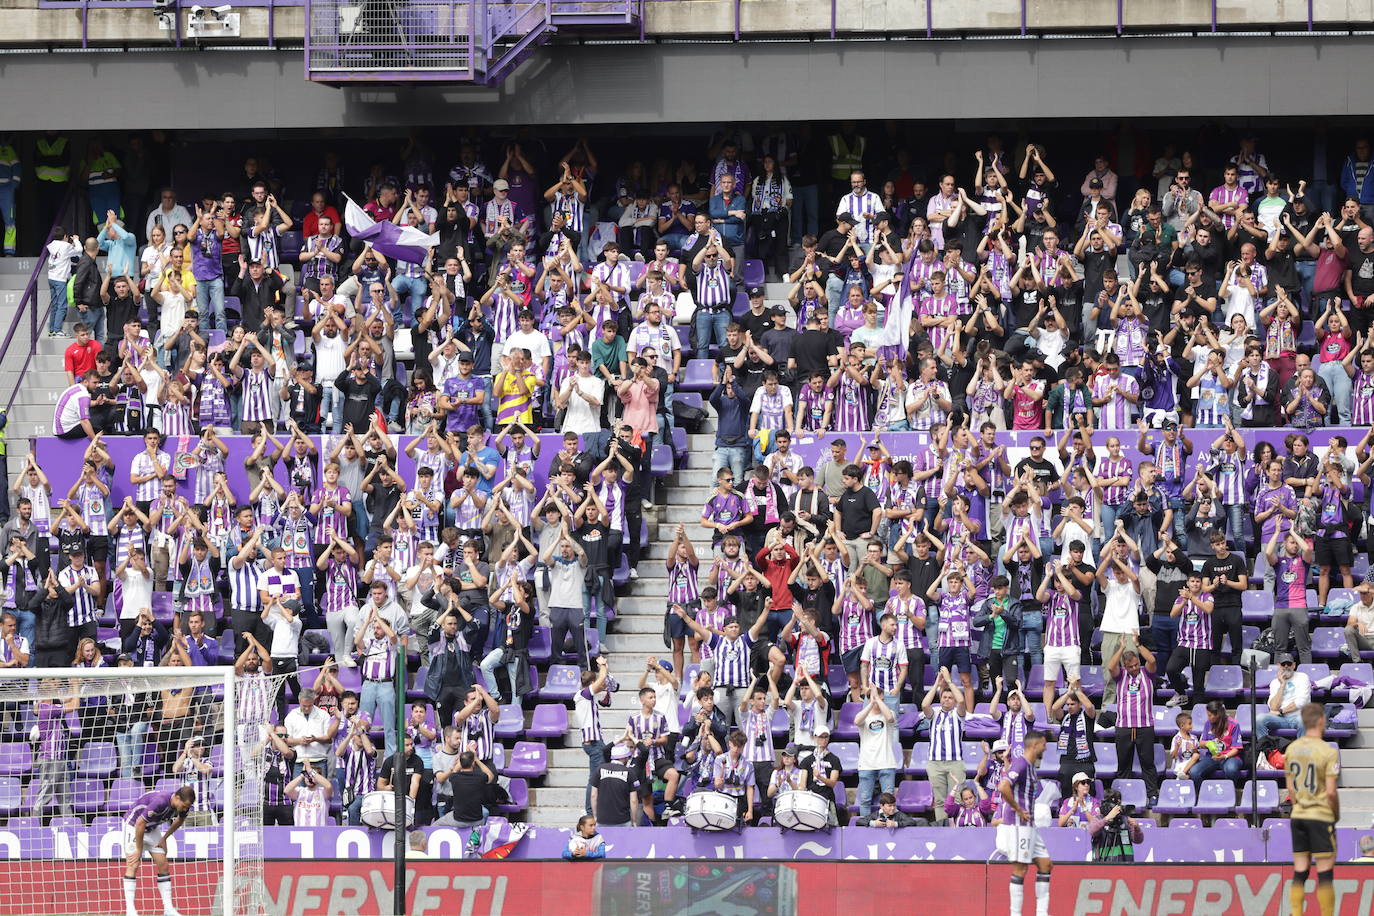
85, 6
28, 303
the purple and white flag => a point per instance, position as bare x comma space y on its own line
399, 243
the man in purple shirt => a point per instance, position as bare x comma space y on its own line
200, 647
726, 510
463, 395
147, 827
207, 266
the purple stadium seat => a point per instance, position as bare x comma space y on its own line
661, 462
98, 759
1257, 606
839, 683
88, 795
16, 758
25, 823
350, 678
981, 728
11, 796
562, 683
1264, 677
920, 756
541, 646
31, 797
679, 443
550, 720
415, 686
167, 784
1093, 678
752, 273
1360, 671
163, 611
217, 759
741, 304
1106, 759
779, 726
512, 721
908, 717
1132, 791
1224, 681
1327, 642
1316, 671
697, 376
845, 729
123, 793
1267, 801
1188, 822
519, 797
1176, 796
290, 246
1231, 823
1217, 796
1164, 721
689, 399
914, 795
1049, 762
848, 754
528, 759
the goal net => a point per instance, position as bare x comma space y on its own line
88, 753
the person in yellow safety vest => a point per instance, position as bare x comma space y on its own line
10, 173
846, 156
52, 168
102, 182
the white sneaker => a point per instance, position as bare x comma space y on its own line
647, 504
634, 573
1177, 699
345, 661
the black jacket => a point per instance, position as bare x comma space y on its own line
86, 285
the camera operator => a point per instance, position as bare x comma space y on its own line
1115, 834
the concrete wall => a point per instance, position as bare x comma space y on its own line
1235, 77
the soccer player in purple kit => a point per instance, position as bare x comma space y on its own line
1017, 836
149, 824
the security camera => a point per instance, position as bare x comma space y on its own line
197, 11
221, 10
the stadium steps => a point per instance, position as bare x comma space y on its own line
1357, 774
33, 408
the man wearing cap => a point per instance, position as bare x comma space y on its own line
757, 320
615, 789
1288, 694
823, 770
1359, 625
501, 212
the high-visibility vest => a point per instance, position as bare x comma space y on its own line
9, 165
53, 161
845, 158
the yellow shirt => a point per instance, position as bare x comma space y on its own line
1310, 761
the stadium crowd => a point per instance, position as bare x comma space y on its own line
1171, 319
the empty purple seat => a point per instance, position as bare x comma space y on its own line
920, 756
1217, 796
16, 758
697, 376
1327, 642
88, 795
98, 759
688, 399
512, 721
163, 611
1093, 678
528, 759
914, 795
661, 462
908, 717
1186, 822
1266, 802
752, 272
1106, 760
123, 793
217, 759
1315, 672
1049, 761
981, 728
541, 646
1224, 681
845, 729
350, 678
1176, 796
290, 246
562, 684
1231, 822
1164, 720
847, 752
415, 686
973, 755
11, 796
679, 442
1257, 606
519, 797
779, 726
550, 720
1132, 791
839, 683
24, 823
1264, 677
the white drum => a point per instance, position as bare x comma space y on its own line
801, 811
711, 811
379, 810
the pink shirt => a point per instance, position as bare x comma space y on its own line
641, 406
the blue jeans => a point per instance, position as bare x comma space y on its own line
595, 609
7, 195
1307, 270
1339, 384
732, 457
1109, 514
596, 755
26, 624
488, 414
710, 329
489, 666
887, 781
806, 211
129, 746
57, 309
834, 291
1230, 768
331, 402
94, 318
1235, 525
1270, 722
210, 297
412, 289
379, 699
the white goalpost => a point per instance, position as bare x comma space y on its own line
90, 755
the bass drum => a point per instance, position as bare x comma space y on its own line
711, 811
801, 811
379, 810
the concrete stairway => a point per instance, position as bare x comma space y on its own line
1357, 775
32, 412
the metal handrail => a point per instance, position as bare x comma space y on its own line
29, 297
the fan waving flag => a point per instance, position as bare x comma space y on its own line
399, 243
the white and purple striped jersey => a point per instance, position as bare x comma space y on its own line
1228, 471
955, 622
572, 208
907, 633
92, 502
480, 730
1115, 494
650, 727
946, 734
587, 716
813, 404
84, 609
1025, 788
736, 775
772, 409
758, 736
885, 661
331, 520
864, 206
930, 307
198, 587
1362, 399
340, 586
1117, 412
851, 404
1134, 699
1061, 625
682, 583
379, 661
617, 274
360, 770
732, 659
855, 627
257, 396
1194, 627
142, 465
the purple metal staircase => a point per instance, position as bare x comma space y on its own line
455, 41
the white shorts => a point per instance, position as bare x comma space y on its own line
1067, 657
1021, 843
151, 837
